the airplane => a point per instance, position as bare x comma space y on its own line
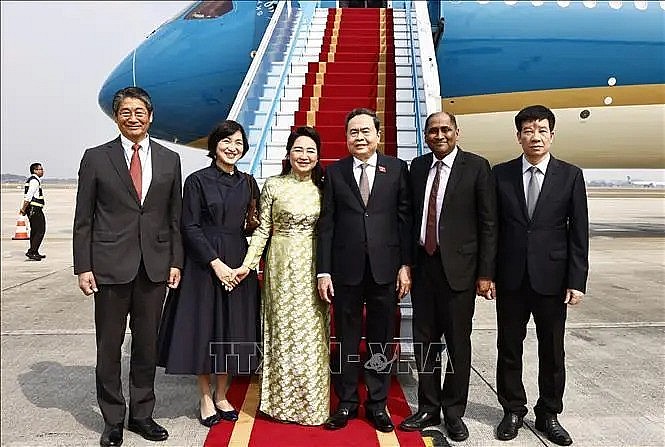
600, 66
645, 183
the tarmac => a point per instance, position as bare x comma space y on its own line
615, 356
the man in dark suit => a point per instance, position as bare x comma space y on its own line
127, 249
542, 267
364, 249
454, 209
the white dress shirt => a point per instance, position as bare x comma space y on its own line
146, 161
370, 170
33, 188
448, 161
540, 174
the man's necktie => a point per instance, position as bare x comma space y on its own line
364, 183
135, 171
430, 228
532, 192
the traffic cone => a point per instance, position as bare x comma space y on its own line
21, 229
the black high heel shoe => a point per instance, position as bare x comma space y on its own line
230, 415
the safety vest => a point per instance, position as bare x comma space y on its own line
37, 199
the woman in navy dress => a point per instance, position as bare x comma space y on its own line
211, 325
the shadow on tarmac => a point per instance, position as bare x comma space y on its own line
52, 385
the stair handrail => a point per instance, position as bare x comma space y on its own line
428, 62
241, 97
414, 79
306, 13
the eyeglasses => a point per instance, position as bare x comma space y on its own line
138, 113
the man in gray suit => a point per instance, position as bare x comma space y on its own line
127, 249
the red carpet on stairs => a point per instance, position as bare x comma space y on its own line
356, 68
266, 432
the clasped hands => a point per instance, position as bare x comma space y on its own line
229, 277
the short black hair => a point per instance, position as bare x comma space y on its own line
222, 130
34, 167
131, 92
362, 111
450, 115
534, 113
305, 131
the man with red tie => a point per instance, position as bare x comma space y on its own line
455, 232
127, 250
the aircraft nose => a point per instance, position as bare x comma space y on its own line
121, 77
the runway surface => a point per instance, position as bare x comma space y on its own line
615, 391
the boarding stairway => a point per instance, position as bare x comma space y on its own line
316, 64
355, 68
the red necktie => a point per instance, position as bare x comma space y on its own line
430, 228
135, 171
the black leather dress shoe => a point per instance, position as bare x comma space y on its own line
456, 429
148, 429
30, 255
380, 420
508, 427
34, 257
549, 425
340, 418
112, 435
420, 421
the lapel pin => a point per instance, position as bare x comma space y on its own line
382, 169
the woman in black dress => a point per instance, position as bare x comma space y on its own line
211, 325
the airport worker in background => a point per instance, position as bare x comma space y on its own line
127, 250
363, 260
542, 268
33, 207
455, 234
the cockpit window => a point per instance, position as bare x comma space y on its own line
210, 10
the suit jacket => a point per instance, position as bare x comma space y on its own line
113, 232
553, 247
348, 231
467, 226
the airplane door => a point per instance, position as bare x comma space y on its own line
435, 10
363, 3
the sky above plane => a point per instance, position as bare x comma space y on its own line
55, 57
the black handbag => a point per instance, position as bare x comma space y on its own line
252, 221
